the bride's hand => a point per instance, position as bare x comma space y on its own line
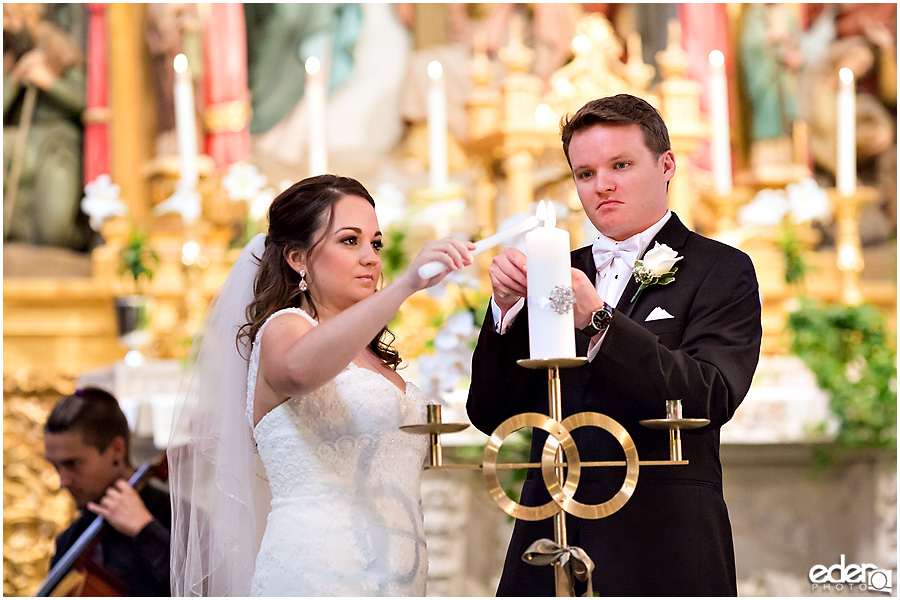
453, 253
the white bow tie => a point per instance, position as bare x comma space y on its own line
605, 250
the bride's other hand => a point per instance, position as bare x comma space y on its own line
453, 253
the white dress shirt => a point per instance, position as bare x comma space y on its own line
612, 277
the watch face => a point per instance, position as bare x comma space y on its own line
600, 319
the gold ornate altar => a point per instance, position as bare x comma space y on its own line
35, 510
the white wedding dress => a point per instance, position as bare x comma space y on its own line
346, 516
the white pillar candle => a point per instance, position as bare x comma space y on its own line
846, 134
437, 126
551, 334
315, 106
720, 143
185, 124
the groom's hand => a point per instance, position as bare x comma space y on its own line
587, 300
508, 278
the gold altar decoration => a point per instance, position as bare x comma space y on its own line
35, 509
519, 130
680, 109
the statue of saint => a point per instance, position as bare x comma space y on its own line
43, 98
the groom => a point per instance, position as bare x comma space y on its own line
696, 339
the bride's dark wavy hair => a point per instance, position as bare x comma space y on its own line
301, 217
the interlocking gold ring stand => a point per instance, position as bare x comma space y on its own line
559, 453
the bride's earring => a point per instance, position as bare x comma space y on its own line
302, 286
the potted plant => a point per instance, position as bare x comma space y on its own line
137, 261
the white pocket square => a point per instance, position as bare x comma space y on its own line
659, 313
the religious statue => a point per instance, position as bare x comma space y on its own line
43, 98
770, 61
280, 38
869, 51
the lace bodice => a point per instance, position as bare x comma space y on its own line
314, 443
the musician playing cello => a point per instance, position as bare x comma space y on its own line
86, 438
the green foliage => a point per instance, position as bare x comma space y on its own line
138, 259
853, 360
393, 256
792, 247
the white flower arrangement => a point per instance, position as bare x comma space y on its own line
243, 181
451, 362
656, 268
802, 202
101, 201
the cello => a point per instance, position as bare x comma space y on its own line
77, 573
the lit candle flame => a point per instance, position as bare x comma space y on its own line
312, 65
546, 213
180, 63
846, 75
435, 70
716, 58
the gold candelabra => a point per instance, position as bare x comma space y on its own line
560, 467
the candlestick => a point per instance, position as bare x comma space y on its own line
185, 123
551, 322
720, 145
846, 134
437, 126
429, 270
316, 109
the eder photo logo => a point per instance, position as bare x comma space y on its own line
864, 577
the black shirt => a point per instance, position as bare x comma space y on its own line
141, 562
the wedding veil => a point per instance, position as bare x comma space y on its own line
220, 496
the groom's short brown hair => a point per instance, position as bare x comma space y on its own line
621, 109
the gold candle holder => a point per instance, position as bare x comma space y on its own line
847, 210
554, 394
674, 422
434, 428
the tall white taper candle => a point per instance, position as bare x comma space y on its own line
550, 334
846, 134
720, 144
437, 126
185, 123
315, 106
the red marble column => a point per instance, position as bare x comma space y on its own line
227, 96
96, 113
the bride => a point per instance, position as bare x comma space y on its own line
297, 479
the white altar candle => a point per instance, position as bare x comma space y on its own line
846, 134
315, 106
720, 143
429, 270
437, 127
185, 123
550, 334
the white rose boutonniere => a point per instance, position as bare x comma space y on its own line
656, 268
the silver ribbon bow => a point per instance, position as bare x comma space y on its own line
572, 559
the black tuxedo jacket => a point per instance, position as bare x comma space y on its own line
673, 536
